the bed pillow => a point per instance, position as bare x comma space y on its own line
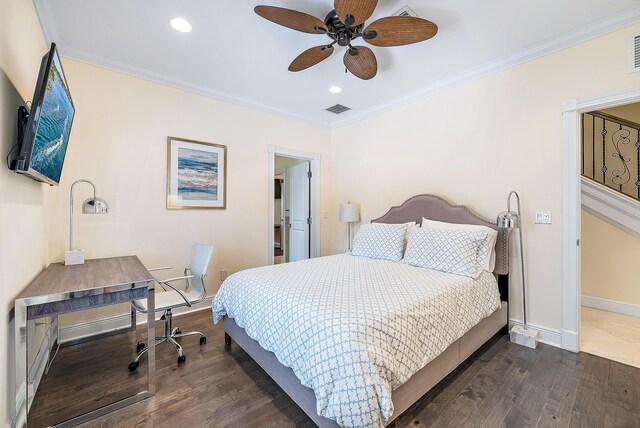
460, 252
380, 241
410, 226
490, 261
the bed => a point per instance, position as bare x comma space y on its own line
354, 341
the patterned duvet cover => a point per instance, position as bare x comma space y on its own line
353, 329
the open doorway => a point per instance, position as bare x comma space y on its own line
573, 198
294, 205
610, 230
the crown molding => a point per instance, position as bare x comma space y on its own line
184, 85
51, 33
564, 41
578, 36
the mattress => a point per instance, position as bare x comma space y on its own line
353, 329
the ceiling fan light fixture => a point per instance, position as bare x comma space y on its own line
335, 89
181, 25
344, 25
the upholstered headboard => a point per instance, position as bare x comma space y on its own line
435, 208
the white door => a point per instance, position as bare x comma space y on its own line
299, 215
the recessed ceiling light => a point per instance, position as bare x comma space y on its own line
335, 89
181, 25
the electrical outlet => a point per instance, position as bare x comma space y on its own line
543, 217
223, 274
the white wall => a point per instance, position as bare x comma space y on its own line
119, 141
23, 202
474, 143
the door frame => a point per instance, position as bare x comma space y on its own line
314, 197
572, 135
283, 247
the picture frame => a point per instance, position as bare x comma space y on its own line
196, 174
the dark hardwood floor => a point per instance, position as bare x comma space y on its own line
501, 385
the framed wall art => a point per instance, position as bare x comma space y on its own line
196, 174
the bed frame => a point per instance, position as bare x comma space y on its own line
434, 208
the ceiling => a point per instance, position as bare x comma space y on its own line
233, 54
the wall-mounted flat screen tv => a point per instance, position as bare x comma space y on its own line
44, 139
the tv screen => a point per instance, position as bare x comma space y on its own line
46, 135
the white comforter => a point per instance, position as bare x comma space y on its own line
353, 329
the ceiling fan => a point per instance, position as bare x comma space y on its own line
345, 24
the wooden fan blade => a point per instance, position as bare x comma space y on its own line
361, 10
400, 30
362, 65
292, 19
311, 57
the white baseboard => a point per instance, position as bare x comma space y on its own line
570, 341
119, 322
611, 305
94, 327
547, 335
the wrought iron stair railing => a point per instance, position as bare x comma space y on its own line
611, 152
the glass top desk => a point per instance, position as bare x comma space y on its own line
61, 289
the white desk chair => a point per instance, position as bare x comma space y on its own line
195, 292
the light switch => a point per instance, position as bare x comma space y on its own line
543, 217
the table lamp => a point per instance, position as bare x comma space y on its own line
349, 213
93, 205
512, 220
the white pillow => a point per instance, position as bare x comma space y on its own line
460, 252
410, 226
380, 241
490, 262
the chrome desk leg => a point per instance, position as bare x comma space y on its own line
151, 332
133, 318
20, 363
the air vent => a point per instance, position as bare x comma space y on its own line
406, 11
635, 53
338, 108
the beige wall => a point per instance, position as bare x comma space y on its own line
630, 112
610, 268
119, 141
471, 144
23, 202
282, 162
475, 143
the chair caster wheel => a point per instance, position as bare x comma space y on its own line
139, 346
203, 340
133, 366
182, 359
178, 331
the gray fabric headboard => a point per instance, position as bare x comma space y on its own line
435, 208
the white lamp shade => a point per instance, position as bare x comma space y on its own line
349, 212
